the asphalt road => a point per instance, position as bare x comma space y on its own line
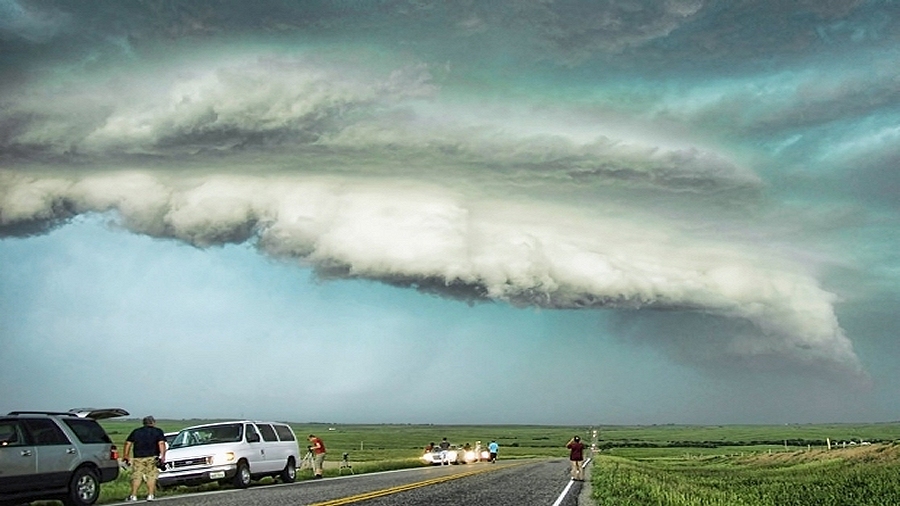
505, 483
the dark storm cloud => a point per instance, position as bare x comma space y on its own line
30, 22
303, 107
876, 177
675, 32
718, 344
828, 100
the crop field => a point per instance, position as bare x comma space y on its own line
748, 465
666, 465
851, 476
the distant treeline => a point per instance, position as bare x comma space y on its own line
606, 445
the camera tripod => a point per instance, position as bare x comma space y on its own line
307, 461
345, 464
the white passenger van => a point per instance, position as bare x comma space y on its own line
235, 452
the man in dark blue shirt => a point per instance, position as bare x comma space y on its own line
148, 445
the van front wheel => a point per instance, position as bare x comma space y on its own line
289, 474
242, 476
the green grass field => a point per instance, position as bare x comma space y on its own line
748, 465
853, 476
667, 465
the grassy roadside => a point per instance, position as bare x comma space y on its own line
853, 476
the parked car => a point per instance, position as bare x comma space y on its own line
433, 456
481, 453
437, 456
467, 455
237, 452
55, 455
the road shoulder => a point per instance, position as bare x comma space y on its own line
584, 498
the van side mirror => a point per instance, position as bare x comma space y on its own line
253, 437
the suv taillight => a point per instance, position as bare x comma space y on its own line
113, 453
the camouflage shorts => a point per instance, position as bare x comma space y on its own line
144, 468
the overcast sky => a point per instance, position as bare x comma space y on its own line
570, 212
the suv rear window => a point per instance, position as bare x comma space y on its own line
45, 432
284, 432
87, 431
10, 435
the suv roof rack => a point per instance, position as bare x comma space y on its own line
93, 413
16, 413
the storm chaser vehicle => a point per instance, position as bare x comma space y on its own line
236, 452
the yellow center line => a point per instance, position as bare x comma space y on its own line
401, 488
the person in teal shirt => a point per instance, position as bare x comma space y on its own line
493, 447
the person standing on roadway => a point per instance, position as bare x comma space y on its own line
576, 456
493, 447
445, 447
318, 448
145, 447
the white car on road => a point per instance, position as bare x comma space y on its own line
452, 455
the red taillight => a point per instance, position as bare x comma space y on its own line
113, 453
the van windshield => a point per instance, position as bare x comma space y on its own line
209, 434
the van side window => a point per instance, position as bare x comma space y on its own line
251, 431
268, 433
284, 432
45, 432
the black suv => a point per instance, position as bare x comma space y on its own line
56, 455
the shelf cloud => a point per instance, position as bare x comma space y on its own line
720, 180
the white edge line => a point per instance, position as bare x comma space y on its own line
562, 496
565, 491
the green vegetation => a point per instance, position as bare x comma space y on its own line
666, 465
800, 436
856, 476
748, 465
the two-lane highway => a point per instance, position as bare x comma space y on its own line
512, 483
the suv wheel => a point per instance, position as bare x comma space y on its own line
289, 474
242, 476
84, 488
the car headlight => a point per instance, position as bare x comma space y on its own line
222, 458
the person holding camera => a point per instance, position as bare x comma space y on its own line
147, 445
317, 447
576, 456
